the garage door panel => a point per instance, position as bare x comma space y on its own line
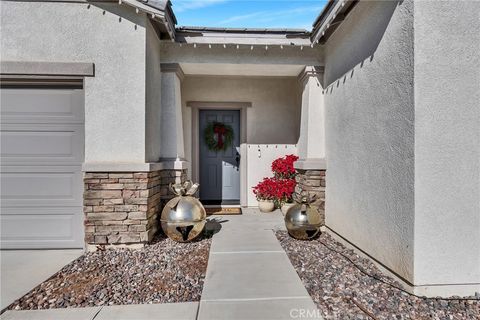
42, 106
41, 231
31, 188
42, 151
45, 211
41, 144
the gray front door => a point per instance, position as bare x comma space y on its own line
220, 170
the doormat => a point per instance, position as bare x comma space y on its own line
223, 211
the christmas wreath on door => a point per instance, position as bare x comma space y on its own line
218, 136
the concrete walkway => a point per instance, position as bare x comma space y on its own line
249, 275
163, 311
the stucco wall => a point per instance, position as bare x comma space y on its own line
447, 143
311, 144
112, 37
276, 103
370, 132
172, 143
153, 96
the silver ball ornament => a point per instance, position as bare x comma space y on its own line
183, 217
303, 221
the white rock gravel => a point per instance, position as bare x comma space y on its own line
341, 290
163, 271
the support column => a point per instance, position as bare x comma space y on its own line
172, 143
311, 166
172, 146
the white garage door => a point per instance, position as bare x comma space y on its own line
42, 150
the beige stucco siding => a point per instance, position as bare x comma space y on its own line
447, 143
153, 96
111, 36
275, 113
370, 132
402, 140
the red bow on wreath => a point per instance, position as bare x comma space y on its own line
218, 136
219, 131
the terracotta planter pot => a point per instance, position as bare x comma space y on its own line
285, 207
266, 205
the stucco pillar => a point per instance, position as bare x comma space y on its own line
311, 166
311, 144
172, 143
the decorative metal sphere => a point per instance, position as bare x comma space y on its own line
183, 217
302, 221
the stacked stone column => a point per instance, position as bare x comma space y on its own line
122, 208
313, 182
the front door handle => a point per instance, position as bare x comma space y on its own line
237, 158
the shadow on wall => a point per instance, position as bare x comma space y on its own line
360, 49
274, 137
124, 12
275, 128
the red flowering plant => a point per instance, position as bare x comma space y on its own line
283, 167
265, 189
281, 187
284, 191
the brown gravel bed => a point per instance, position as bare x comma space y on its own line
164, 271
340, 290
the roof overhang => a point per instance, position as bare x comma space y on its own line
160, 13
330, 19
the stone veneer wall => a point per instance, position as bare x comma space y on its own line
314, 182
122, 208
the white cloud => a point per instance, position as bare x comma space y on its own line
184, 5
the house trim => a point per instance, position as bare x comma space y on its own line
133, 166
40, 68
311, 71
173, 67
311, 164
196, 106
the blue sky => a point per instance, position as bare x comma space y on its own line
248, 13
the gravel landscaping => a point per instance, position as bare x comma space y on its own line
342, 291
164, 271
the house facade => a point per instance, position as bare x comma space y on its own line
106, 103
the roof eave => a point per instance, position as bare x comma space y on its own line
330, 19
165, 19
